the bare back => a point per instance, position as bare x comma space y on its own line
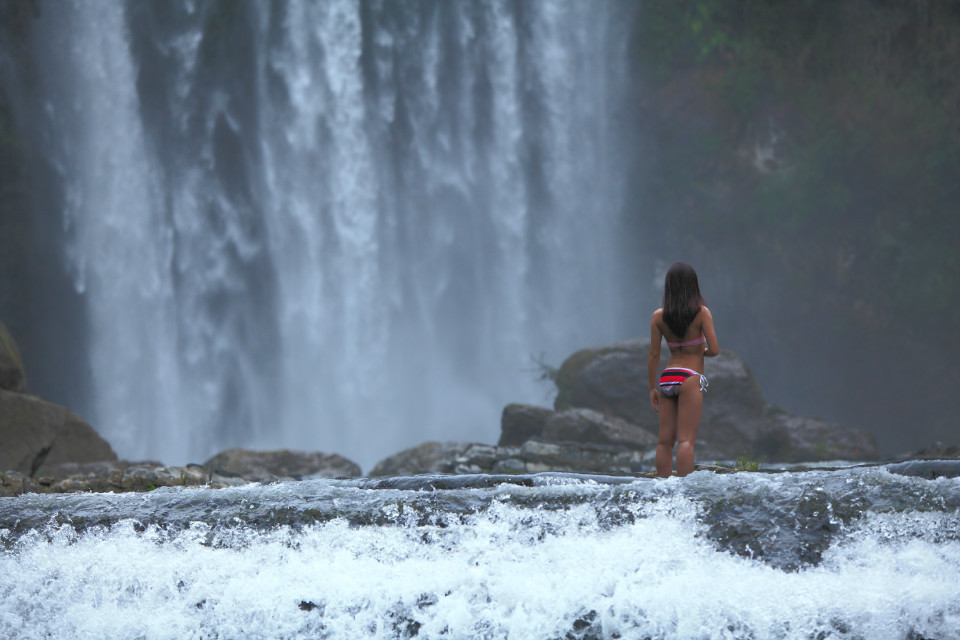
689, 349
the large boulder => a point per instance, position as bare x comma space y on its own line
35, 433
609, 379
13, 377
612, 380
282, 463
734, 410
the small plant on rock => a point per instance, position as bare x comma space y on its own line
748, 463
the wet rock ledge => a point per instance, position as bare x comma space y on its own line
115, 478
601, 423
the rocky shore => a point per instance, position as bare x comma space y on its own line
600, 423
230, 468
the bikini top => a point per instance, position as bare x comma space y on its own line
688, 343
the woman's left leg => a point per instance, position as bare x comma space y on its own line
667, 436
689, 408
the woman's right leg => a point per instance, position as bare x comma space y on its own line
689, 408
667, 436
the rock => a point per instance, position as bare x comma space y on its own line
522, 422
583, 458
534, 456
149, 477
13, 377
612, 380
35, 433
282, 463
120, 477
734, 410
96, 468
789, 438
928, 469
936, 451
429, 457
589, 426
14, 483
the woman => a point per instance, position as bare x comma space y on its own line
677, 396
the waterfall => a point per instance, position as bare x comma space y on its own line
345, 226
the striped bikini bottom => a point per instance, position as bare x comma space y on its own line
673, 377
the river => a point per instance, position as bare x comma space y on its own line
861, 552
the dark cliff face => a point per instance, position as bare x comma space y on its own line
804, 156
37, 299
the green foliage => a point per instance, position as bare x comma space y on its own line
746, 462
856, 104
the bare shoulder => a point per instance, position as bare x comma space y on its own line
706, 324
657, 319
656, 333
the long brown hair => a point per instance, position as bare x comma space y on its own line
681, 298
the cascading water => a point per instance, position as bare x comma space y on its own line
863, 553
332, 225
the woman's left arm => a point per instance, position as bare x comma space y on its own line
653, 361
712, 347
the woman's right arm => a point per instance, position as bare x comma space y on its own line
712, 346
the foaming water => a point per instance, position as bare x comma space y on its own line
485, 557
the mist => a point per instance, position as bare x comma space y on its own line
356, 226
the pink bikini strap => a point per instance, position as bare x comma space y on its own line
700, 340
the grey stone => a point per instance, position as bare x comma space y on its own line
521, 422
590, 426
36, 433
534, 456
429, 457
789, 438
124, 477
282, 463
936, 451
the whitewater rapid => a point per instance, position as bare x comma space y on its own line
857, 553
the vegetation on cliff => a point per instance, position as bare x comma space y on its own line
827, 133
816, 143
